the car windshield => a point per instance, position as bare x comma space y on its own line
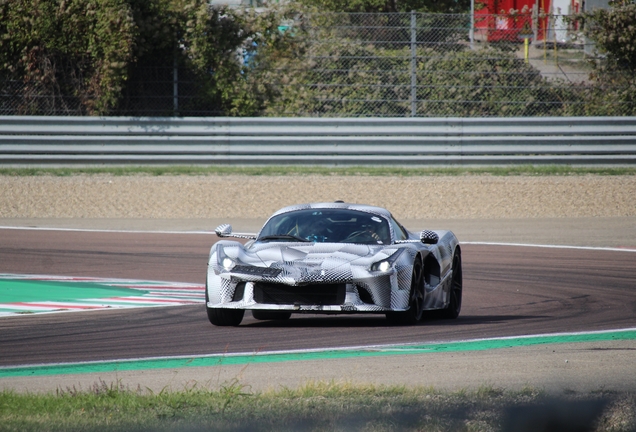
327, 225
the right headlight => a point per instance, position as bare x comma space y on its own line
227, 263
381, 266
224, 261
386, 264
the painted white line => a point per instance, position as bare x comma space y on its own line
143, 285
613, 249
393, 346
56, 311
40, 306
176, 287
150, 300
156, 294
318, 350
8, 310
174, 294
104, 230
599, 248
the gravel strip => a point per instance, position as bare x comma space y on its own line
462, 197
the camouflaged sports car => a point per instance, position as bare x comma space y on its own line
333, 258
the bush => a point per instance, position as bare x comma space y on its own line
344, 78
613, 32
101, 57
75, 51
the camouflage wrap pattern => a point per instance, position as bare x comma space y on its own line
301, 267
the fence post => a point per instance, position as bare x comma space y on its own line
535, 24
175, 84
471, 33
413, 64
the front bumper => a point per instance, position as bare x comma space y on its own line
372, 295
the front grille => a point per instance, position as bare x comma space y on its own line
319, 294
258, 271
239, 292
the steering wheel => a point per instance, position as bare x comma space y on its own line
294, 230
358, 233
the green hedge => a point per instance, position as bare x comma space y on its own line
94, 54
93, 57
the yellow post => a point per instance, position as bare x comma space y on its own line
525, 48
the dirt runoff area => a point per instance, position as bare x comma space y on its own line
585, 210
435, 197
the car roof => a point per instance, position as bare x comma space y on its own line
336, 205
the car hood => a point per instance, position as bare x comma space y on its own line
313, 262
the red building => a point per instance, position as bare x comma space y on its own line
510, 20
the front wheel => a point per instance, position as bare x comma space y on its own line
416, 299
455, 303
225, 317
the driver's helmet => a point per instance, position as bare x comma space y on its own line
311, 226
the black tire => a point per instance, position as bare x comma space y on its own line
455, 303
416, 299
265, 315
225, 317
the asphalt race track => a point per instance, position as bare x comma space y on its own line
508, 291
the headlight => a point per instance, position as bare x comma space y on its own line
223, 260
386, 264
382, 266
228, 263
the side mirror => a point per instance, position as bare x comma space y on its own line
429, 237
224, 230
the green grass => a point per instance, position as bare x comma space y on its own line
529, 170
313, 407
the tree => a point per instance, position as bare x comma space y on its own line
614, 34
75, 52
101, 57
437, 6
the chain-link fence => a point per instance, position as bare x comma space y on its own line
165, 91
385, 65
447, 65
149, 91
20, 98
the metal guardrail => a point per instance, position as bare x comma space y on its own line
315, 141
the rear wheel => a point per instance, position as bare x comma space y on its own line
416, 299
270, 315
455, 303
